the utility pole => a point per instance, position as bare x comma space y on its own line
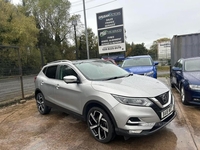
74, 22
86, 34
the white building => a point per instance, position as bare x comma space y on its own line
164, 50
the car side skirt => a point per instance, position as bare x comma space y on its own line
52, 105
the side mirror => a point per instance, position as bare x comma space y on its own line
70, 79
156, 63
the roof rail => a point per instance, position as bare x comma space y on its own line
57, 61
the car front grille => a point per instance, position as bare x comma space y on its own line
163, 98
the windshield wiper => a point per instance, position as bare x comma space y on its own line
130, 74
115, 77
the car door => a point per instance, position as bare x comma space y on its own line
69, 95
177, 73
47, 82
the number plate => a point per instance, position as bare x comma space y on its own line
167, 111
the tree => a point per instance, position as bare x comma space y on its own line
139, 49
129, 48
55, 24
93, 45
52, 16
153, 52
15, 27
162, 40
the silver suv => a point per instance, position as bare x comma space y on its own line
111, 100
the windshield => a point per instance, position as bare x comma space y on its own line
143, 61
192, 65
101, 70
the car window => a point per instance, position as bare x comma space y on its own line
51, 72
192, 65
176, 64
100, 70
180, 64
66, 71
145, 61
44, 70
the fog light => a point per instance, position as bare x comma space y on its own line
133, 121
134, 131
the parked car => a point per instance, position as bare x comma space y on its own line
185, 76
110, 60
107, 97
142, 65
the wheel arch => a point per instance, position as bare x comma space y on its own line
183, 83
94, 103
37, 91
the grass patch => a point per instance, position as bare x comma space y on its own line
163, 75
163, 68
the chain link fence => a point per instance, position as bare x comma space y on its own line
20, 65
18, 68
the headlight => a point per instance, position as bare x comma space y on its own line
195, 87
148, 73
133, 101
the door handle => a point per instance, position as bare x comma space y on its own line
57, 86
42, 83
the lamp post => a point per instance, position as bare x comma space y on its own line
74, 23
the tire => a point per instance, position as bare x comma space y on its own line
172, 85
42, 108
183, 98
100, 125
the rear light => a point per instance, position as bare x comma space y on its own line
35, 78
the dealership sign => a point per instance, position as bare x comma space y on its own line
110, 31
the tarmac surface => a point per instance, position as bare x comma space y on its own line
23, 128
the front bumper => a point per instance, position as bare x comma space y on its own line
192, 96
137, 121
156, 127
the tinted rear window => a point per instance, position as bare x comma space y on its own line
51, 72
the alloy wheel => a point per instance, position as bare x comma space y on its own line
40, 102
100, 125
42, 108
183, 98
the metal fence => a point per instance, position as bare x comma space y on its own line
19, 66
16, 77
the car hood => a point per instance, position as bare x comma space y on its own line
139, 69
132, 86
192, 77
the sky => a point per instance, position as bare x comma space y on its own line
145, 21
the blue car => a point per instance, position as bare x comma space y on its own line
185, 77
142, 65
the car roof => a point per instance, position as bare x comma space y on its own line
190, 58
73, 61
138, 56
86, 60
